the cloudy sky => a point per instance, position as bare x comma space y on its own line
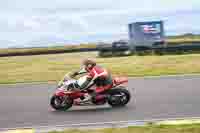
47, 22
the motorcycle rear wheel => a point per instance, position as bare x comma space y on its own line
119, 97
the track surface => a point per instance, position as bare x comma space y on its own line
167, 97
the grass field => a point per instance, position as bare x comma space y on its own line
43, 68
44, 49
182, 41
195, 128
172, 40
187, 38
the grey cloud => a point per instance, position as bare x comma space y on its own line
28, 22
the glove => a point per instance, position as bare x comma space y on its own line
60, 84
74, 74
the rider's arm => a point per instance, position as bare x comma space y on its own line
82, 71
60, 83
89, 79
86, 83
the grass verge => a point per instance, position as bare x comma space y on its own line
174, 40
45, 50
43, 68
190, 128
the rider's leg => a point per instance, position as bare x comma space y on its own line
94, 94
86, 98
101, 89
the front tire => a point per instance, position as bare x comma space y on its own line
119, 97
61, 103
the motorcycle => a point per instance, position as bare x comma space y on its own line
67, 94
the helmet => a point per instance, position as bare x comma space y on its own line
88, 64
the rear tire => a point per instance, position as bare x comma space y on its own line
68, 102
118, 102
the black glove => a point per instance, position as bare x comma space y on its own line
75, 74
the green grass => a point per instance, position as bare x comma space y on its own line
43, 68
193, 128
172, 40
178, 41
44, 49
185, 38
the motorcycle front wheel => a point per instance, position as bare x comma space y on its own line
61, 103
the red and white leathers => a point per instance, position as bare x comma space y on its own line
100, 76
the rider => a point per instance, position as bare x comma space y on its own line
96, 74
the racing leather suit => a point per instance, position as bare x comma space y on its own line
100, 77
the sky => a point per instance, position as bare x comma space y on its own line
35, 23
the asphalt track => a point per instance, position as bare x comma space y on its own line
153, 98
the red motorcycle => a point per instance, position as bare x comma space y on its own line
67, 94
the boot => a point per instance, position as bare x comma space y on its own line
86, 99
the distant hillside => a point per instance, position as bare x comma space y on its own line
187, 35
185, 38
178, 39
171, 40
